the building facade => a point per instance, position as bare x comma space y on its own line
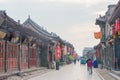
26, 46
109, 45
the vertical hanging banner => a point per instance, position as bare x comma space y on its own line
117, 24
58, 51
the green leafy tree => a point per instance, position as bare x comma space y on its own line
70, 57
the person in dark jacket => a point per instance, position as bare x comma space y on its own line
74, 61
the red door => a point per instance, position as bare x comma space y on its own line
32, 56
12, 57
24, 57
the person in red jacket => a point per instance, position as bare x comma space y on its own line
89, 66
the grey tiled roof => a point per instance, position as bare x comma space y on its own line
35, 27
12, 25
2, 15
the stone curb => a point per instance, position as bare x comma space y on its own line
99, 75
8, 74
39, 73
115, 76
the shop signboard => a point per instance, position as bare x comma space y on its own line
2, 34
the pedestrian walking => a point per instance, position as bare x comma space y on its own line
74, 61
95, 64
89, 65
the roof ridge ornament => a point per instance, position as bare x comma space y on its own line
28, 16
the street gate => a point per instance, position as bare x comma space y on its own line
12, 57
2, 51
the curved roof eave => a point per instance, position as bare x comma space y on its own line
115, 14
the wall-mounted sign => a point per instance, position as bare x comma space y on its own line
2, 34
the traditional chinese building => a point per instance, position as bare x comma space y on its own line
109, 44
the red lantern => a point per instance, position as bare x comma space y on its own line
98, 35
118, 26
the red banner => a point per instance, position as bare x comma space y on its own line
58, 52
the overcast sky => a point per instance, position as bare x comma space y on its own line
72, 20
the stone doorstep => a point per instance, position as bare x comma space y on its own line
8, 74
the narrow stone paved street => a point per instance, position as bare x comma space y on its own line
69, 72
59, 39
66, 72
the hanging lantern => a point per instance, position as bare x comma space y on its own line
118, 26
113, 30
98, 35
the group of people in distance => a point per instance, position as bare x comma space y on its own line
90, 63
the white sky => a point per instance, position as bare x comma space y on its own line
72, 20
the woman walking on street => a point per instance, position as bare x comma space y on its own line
89, 66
